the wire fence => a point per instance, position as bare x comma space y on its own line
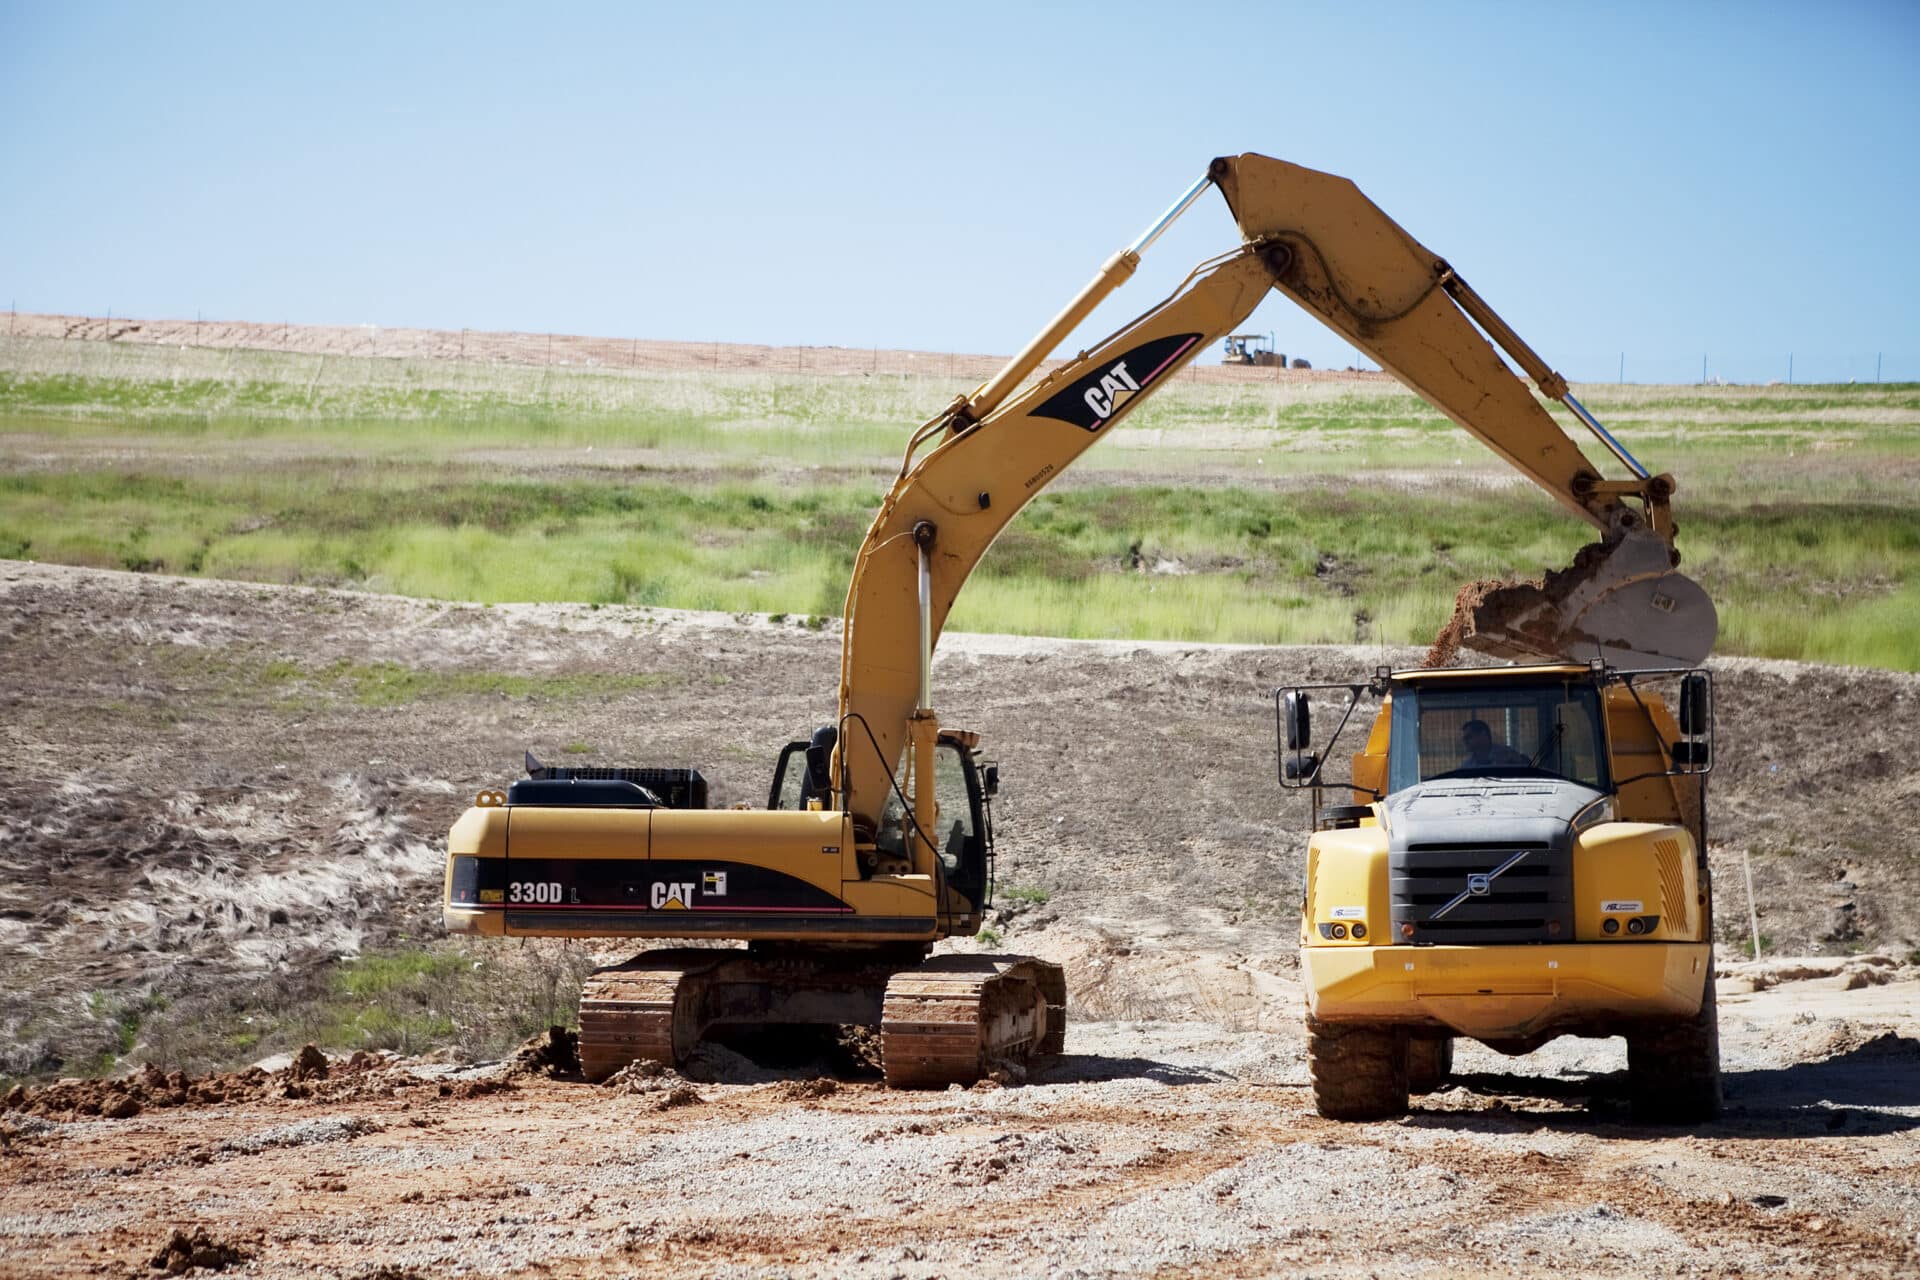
575, 351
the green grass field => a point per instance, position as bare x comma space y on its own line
1237, 512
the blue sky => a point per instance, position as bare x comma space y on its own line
1740, 181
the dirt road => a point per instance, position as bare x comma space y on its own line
1159, 1148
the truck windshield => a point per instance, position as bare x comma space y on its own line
1471, 730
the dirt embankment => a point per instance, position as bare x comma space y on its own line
573, 349
211, 780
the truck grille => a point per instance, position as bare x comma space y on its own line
1483, 893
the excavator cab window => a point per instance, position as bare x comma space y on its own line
790, 778
963, 828
960, 825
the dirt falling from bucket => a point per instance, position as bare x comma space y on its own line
1458, 628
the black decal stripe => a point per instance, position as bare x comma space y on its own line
477, 881
628, 884
696, 910
1145, 363
689, 924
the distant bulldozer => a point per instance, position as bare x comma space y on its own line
1253, 349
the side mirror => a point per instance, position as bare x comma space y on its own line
1694, 755
1695, 693
1299, 720
820, 760
1300, 768
990, 779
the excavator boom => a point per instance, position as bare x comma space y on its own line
1317, 239
950, 503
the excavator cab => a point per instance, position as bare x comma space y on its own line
964, 787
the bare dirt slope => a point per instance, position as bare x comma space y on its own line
572, 349
213, 781
212, 778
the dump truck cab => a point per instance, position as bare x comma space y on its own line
1516, 853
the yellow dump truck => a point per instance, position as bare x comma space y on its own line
1518, 853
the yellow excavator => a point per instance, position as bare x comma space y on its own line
877, 838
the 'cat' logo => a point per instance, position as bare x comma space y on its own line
1112, 392
1093, 400
673, 895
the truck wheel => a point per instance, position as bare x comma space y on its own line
1429, 1063
1359, 1073
1673, 1071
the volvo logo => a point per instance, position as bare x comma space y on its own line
1480, 883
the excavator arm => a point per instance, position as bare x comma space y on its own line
1337, 255
969, 470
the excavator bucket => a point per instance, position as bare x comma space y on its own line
1620, 600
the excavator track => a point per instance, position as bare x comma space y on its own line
644, 1008
952, 1019
947, 1020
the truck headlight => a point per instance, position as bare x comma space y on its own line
1594, 814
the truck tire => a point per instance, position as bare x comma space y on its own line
1673, 1070
1359, 1073
1429, 1063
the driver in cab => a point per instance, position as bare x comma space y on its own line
1482, 751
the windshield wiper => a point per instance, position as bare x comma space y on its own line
1551, 740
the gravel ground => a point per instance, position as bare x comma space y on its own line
1152, 1148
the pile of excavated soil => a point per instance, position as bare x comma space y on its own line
309, 1075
